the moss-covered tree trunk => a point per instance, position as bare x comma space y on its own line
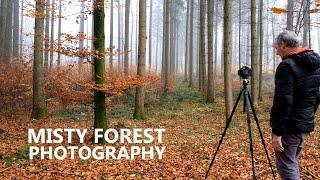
111, 36
15, 39
140, 92
100, 117
39, 109
254, 54
7, 48
99, 64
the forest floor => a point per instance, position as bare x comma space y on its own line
193, 129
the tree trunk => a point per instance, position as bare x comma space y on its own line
140, 92
119, 34
126, 34
166, 48
81, 30
46, 41
306, 23
239, 34
261, 47
52, 33
3, 22
150, 36
21, 33
59, 33
210, 91
254, 53
202, 50
8, 35
39, 109
290, 7
111, 36
100, 118
16, 29
191, 45
227, 56
186, 46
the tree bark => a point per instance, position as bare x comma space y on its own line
52, 33
81, 30
202, 51
39, 109
100, 118
186, 43
126, 34
227, 56
3, 22
7, 49
46, 41
191, 45
254, 53
16, 29
150, 36
261, 47
166, 48
111, 36
140, 90
59, 33
290, 7
210, 91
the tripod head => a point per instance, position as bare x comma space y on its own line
245, 82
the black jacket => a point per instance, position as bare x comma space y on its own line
296, 97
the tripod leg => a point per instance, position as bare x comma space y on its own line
261, 135
224, 132
249, 132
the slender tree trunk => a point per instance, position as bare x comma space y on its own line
290, 7
126, 34
16, 29
157, 50
59, 33
186, 46
46, 41
140, 90
202, 49
21, 33
166, 48
227, 46
239, 34
191, 45
3, 22
261, 47
150, 36
8, 35
210, 91
306, 23
273, 37
119, 34
111, 36
131, 40
100, 118
81, 30
39, 109
52, 33
163, 40
254, 50
215, 43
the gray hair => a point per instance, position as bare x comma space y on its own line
289, 38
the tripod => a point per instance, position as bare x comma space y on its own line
247, 101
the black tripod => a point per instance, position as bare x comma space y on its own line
247, 101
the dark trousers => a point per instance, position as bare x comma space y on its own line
287, 161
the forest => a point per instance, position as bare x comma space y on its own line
137, 67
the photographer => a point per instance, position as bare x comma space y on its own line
296, 99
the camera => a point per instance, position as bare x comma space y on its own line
245, 72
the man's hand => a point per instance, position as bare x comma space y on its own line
277, 143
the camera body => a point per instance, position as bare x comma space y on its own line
245, 72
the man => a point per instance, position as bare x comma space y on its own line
295, 102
